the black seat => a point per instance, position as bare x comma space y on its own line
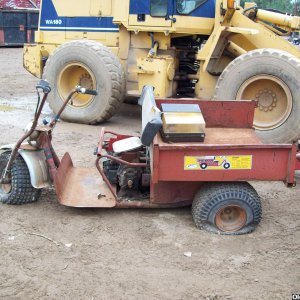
151, 116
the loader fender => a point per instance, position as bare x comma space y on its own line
36, 164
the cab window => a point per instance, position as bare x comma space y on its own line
159, 8
185, 7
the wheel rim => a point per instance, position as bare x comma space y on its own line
5, 188
76, 74
231, 218
274, 100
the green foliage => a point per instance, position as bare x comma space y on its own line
287, 6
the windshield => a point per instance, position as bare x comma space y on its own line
159, 8
185, 7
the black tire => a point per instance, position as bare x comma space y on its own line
238, 202
271, 77
20, 191
91, 65
226, 165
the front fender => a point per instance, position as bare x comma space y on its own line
36, 164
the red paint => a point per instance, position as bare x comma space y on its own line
19, 4
107, 143
1, 37
28, 36
225, 114
298, 162
171, 192
277, 159
233, 139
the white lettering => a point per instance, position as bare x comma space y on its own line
53, 22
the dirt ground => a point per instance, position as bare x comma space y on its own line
132, 254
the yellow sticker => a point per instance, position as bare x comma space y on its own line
226, 162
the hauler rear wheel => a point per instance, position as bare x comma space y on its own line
227, 208
271, 77
93, 66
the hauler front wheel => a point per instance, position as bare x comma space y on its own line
19, 190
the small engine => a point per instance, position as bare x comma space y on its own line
131, 182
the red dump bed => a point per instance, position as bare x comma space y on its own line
231, 151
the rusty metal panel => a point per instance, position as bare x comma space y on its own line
174, 192
227, 114
81, 187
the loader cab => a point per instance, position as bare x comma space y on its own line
180, 16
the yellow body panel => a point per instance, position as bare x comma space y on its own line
150, 23
33, 58
205, 87
265, 38
110, 39
278, 19
83, 8
192, 25
158, 72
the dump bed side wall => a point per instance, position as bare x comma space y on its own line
229, 153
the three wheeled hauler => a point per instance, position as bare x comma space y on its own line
149, 172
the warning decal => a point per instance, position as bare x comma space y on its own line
226, 162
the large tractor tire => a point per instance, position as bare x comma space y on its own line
229, 208
20, 190
90, 65
271, 77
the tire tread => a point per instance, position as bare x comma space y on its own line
214, 193
22, 191
114, 68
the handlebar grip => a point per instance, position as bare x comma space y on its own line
91, 92
44, 85
83, 90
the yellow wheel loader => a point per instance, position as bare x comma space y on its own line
208, 49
